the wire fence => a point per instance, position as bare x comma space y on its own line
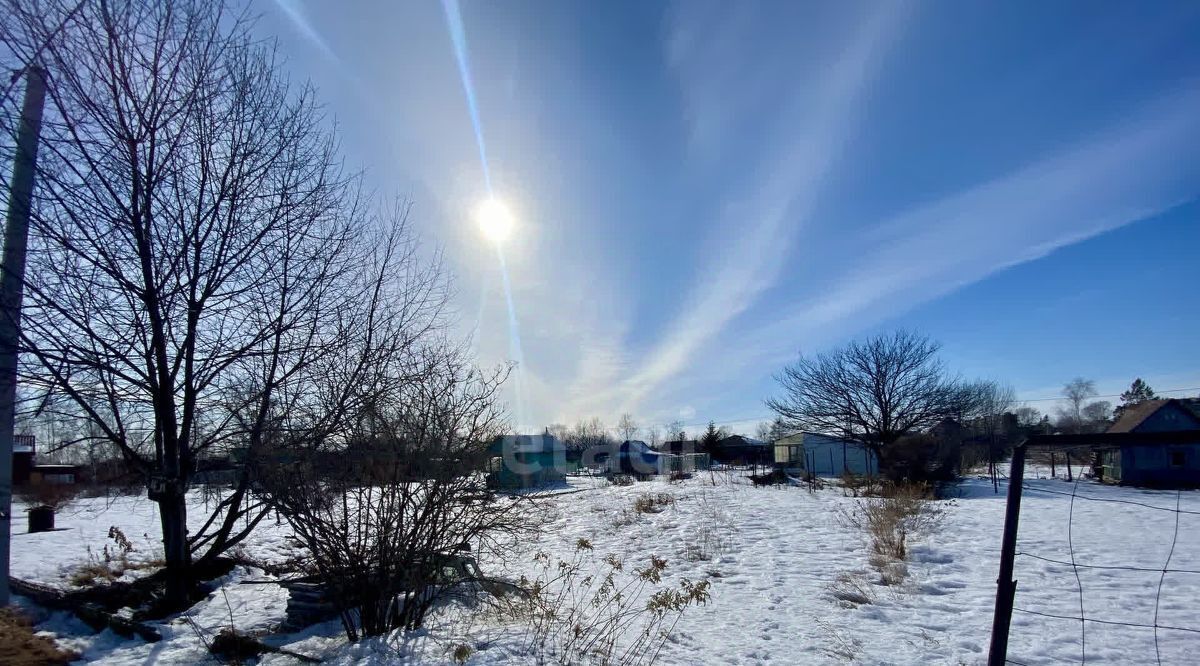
1155, 623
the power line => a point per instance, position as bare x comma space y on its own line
1112, 395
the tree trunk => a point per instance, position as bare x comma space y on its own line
172, 511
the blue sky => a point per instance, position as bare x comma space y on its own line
702, 190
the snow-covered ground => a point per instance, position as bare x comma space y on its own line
776, 553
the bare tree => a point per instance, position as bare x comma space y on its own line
1028, 417
388, 515
588, 435
876, 391
675, 431
1076, 393
627, 427
1097, 414
654, 436
204, 277
991, 402
763, 431
779, 429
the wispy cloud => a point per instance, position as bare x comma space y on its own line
299, 19
1135, 170
807, 124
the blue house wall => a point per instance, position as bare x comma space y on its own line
1167, 465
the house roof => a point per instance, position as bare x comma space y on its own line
1192, 405
740, 440
1135, 415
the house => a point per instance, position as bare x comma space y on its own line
54, 475
26, 471
741, 450
1164, 465
527, 461
824, 455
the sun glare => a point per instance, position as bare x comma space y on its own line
495, 220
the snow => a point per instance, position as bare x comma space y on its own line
776, 556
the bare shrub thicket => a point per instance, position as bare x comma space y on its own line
903, 513
389, 514
602, 610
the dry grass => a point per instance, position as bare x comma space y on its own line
462, 652
653, 502
20, 646
111, 563
852, 590
714, 535
95, 572
601, 610
890, 521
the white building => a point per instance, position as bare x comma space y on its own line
824, 455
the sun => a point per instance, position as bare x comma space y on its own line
495, 220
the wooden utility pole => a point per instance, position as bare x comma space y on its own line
12, 282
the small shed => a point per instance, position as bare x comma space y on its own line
824, 455
527, 461
741, 450
1162, 465
54, 475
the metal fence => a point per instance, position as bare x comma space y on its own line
1006, 602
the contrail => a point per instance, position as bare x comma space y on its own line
459, 38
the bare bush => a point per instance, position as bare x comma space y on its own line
53, 495
854, 485
589, 610
891, 521
852, 590
389, 514
111, 563
653, 502
714, 535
